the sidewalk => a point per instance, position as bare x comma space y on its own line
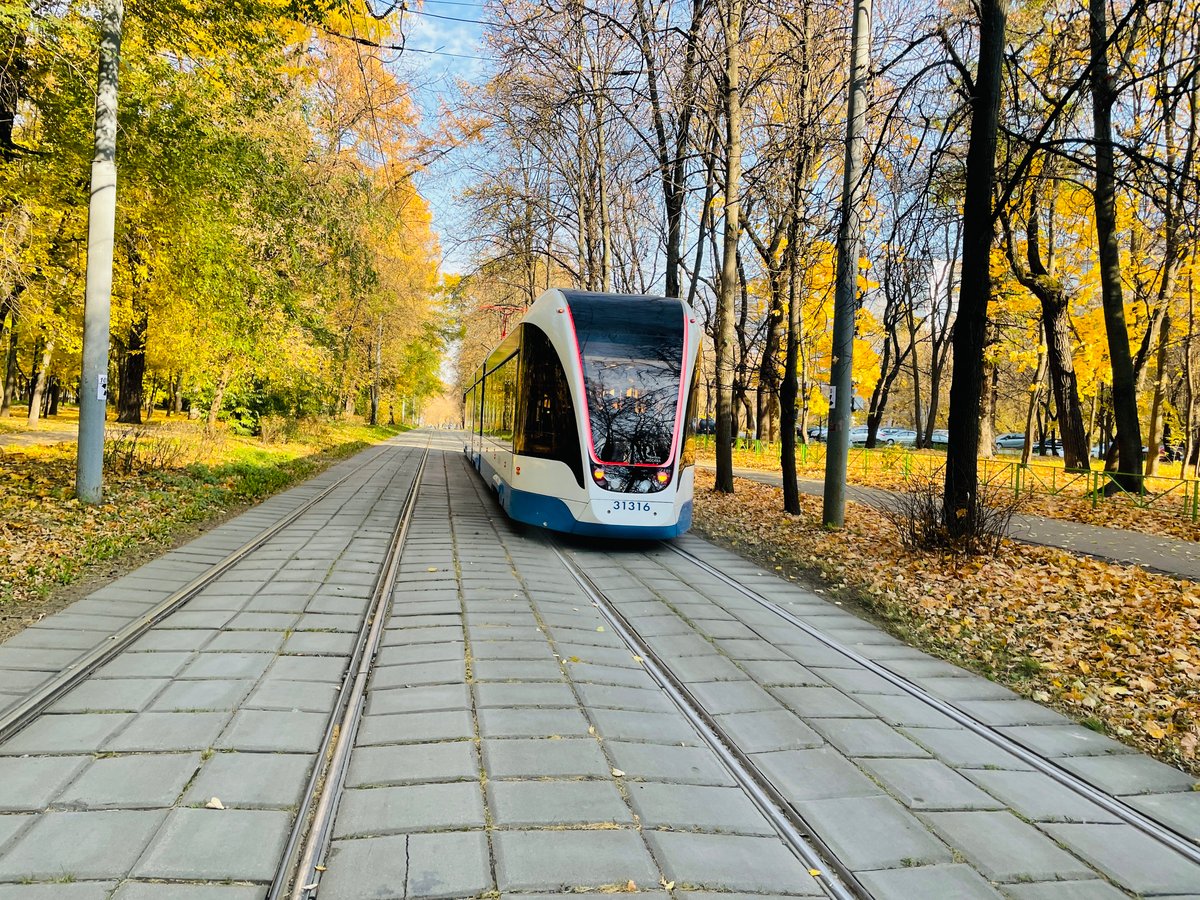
1167, 555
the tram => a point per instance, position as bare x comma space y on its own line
582, 418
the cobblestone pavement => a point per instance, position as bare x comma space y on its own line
1168, 555
513, 746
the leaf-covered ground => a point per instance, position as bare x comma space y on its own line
1164, 515
155, 493
1116, 647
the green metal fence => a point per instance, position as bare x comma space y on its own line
1176, 495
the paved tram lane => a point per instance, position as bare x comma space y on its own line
513, 746
222, 704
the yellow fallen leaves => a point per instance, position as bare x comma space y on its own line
1116, 646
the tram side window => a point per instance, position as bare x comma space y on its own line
469, 403
500, 400
547, 416
688, 457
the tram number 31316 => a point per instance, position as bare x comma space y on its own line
631, 505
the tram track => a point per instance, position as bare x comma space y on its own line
835, 878
299, 873
26, 711
1160, 832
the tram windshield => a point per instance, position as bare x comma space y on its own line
632, 353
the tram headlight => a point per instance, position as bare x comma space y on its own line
662, 476
600, 476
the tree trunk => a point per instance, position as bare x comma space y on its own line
922, 437
986, 447
1035, 396
975, 291
1160, 389
214, 408
12, 333
788, 391
1129, 433
39, 384
1064, 384
131, 396
729, 264
55, 395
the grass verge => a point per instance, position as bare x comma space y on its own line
158, 489
1115, 647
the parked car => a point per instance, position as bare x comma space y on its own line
1013, 440
706, 426
858, 436
896, 437
939, 439
818, 433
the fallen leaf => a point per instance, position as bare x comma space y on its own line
214, 803
617, 773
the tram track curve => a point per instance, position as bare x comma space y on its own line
834, 877
29, 708
1148, 826
298, 875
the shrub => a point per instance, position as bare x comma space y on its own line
918, 516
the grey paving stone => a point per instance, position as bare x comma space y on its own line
329, 622
171, 640
308, 668
11, 825
140, 781
873, 832
614, 696
160, 664
30, 783
1134, 861
866, 738
214, 694
960, 749
515, 670
958, 688
414, 728
853, 681
407, 637
668, 762
389, 675
227, 665
427, 653
203, 619
544, 758
928, 883
251, 780
320, 643
1179, 811
699, 669
448, 866
761, 732
530, 693
778, 672
68, 733
411, 763
900, 710
1065, 890
620, 657
273, 730
419, 807
1003, 848
84, 890
733, 697
299, 696
731, 862
246, 642
159, 891
584, 672
1130, 773
51, 638
1064, 740
928, 784
820, 703
159, 731
1011, 712
426, 698
216, 845
510, 649
526, 722
689, 807
81, 845
815, 774
525, 803
263, 621
374, 867
566, 860
1036, 797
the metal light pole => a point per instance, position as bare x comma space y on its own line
845, 304
102, 211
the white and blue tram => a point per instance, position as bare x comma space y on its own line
582, 418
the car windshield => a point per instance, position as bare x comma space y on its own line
631, 349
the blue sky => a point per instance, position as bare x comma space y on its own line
456, 50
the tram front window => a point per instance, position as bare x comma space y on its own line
632, 353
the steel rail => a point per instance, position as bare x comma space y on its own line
309, 840
1127, 814
33, 704
829, 872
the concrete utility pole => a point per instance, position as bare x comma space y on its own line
845, 304
102, 212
